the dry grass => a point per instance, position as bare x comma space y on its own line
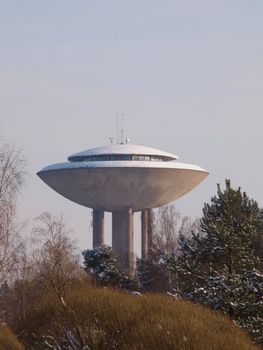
8, 340
114, 320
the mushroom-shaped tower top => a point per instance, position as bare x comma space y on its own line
117, 177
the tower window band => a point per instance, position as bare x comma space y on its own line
117, 157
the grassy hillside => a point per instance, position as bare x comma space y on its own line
111, 319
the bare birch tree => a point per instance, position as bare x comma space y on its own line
12, 178
54, 258
56, 262
169, 226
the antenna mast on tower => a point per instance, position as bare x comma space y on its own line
117, 126
122, 129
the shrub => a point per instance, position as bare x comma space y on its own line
109, 319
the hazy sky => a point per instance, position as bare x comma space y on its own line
188, 75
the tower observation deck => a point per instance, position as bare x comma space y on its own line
122, 179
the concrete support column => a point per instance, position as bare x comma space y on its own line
150, 227
98, 227
122, 238
144, 234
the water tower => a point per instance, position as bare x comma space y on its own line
122, 179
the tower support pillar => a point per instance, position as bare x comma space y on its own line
144, 234
150, 219
123, 237
98, 227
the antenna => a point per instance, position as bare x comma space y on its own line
117, 126
122, 129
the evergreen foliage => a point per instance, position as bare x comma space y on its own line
102, 264
259, 241
218, 266
231, 224
152, 273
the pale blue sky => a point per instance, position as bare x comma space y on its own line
187, 74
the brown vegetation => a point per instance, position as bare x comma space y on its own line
110, 319
8, 340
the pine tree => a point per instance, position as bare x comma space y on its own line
152, 273
230, 224
218, 266
259, 241
102, 264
